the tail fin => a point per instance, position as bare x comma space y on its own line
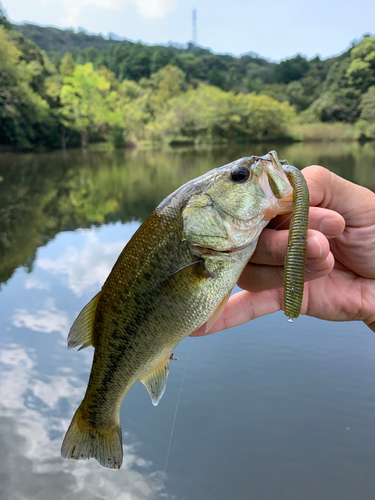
103, 444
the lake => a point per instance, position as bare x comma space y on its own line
267, 410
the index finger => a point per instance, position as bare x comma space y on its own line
243, 307
327, 190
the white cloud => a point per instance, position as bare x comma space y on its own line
86, 268
14, 378
147, 8
57, 387
155, 8
37, 284
32, 439
47, 320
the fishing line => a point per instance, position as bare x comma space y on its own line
281, 223
175, 413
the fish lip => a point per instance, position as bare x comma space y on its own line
195, 249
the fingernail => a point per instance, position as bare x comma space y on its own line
315, 249
328, 226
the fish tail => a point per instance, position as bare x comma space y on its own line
82, 441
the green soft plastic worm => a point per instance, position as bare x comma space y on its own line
294, 265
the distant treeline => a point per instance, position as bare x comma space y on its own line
59, 87
133, 61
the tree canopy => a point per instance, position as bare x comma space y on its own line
106, 89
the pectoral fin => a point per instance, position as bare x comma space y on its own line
194, 270
156, 381
82, 328
217, 313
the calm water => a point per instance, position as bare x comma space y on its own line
267, 410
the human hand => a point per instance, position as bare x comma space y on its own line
340, 265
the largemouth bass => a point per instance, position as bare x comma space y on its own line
175, 274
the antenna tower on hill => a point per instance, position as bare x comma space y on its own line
195, 26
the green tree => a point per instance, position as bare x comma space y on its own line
365, 126
368, 105
168, 82
4, 21
211, 113
88, 102
191, 65
21, 108
161, 57
216, 78
361, 72
342, 105
290, 70
67, 65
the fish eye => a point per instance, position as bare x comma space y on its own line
240, 173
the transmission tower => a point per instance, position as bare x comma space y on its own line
195, 26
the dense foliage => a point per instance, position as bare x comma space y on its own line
123, 91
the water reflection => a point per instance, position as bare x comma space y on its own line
42, 195
86, 267
33, 416
46, 320
268, 410
39, 397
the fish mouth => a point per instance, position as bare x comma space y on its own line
239, 224
206, 250
276, 187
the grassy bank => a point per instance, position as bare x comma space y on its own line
323, 132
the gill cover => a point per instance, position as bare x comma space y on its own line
236, 203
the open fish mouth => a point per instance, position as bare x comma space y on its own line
281, 201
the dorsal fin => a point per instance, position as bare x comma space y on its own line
156, 381
82, 328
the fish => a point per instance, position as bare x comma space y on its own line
175, 274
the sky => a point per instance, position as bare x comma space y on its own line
272, 28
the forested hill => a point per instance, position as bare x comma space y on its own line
61, 41
296, 80
133, 61
57, 85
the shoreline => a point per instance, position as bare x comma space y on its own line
297, 133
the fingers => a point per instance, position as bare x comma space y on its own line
256, 278
243, 307
263, 282
328, 222
272, 246
263, 293
328, 190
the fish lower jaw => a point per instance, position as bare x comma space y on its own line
205, 250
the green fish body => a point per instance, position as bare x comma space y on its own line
175, 274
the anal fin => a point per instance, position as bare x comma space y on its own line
217, 313
156, 381
82, 328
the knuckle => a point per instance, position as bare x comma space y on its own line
316, 172
276, 247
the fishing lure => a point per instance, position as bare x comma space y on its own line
295, 259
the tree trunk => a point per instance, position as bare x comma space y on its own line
84, 138
63, 138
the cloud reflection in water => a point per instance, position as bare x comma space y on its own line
85, 267
30, 441
46, 320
